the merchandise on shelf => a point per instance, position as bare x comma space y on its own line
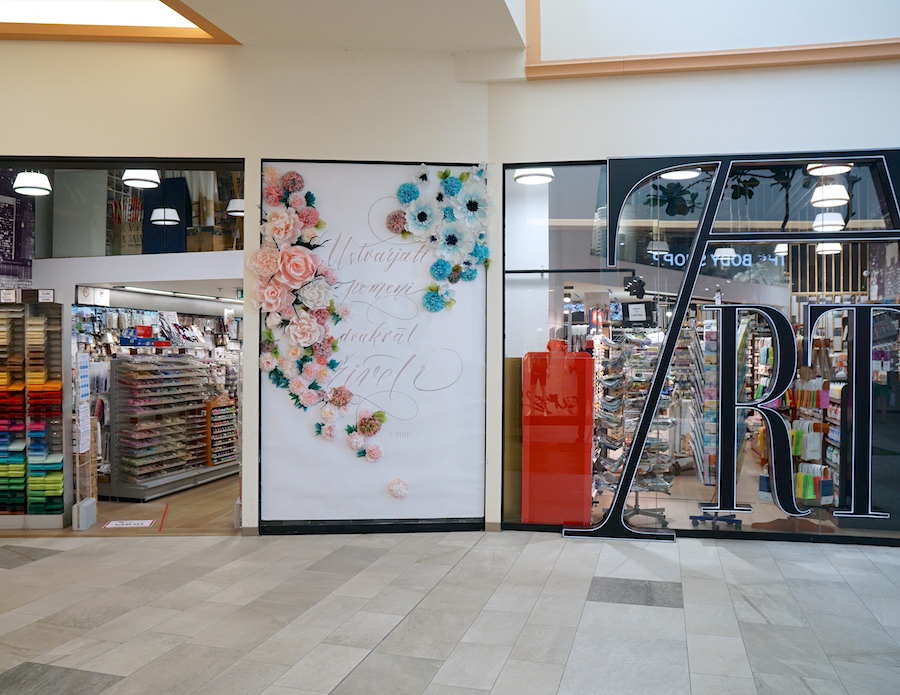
222, 431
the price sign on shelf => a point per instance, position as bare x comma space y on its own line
46, 296
8, 296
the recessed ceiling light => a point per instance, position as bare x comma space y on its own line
122, 13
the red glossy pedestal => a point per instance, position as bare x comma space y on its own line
557, 423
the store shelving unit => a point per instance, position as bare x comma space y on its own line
159, 427
221, 431
12, 416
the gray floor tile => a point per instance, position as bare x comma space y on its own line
323, 668
75, 652
769, 684
12, 556
243, 678
718, 656
389, 673
496, 627
861, 640
41, 679
364, 630
868, 679
557, 610
785, 651
348, 560
473, 666
516, 598
427, 634
544, 643
290, 644
640, 592
703, 684
771, 604
528, 678
125, 659
395, 600
628, 619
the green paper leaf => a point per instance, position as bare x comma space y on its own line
443, 174
380, 415
314, 386
449, 304
463, 176
361, 453
351, 429
487, 263
268, 336
308, 351
333, 365
310, 199
405, 235
319, 426
275, 353
320, 224
434, 287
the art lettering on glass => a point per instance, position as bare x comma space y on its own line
373, 402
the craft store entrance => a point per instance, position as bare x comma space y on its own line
122, 367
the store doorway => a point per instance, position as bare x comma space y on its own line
157, 407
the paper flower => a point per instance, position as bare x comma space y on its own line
433, 301
316, 294
271, 296
421, 217
480, 253
304, 330
329, 432
309, 217
292, 181
288, 367
296, 266
422, 176
448, 213
321, 315
296, 386
340, 396
440, 269
267, 362
309, 398
329, 412
272, 194
264, 261
309, 372
454, 243
345, 311
398, 488
273, 320
356, 441
451, 185
270, 176
407, 193
309, 234
469, 274
373, 453
369, 426
396, 221
323, 348
472, 206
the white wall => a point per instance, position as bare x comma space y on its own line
573, 29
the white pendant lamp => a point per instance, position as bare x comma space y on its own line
33, 183
828, 168
165, 217
681, 174
533, 176
831, 195
658, 247
828, 222
141, 178
828, 248
781, 249
235, 207
724, 252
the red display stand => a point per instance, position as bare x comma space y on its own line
557, 424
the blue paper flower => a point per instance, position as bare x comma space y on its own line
449, 215
407, 193
480, 253
472, 206
451, 185
420, 218
433, 301
469, 274
440, 269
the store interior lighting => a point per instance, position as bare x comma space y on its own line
141, 178
657, 247
724, 252
533, 176
828, 169
165, 217
828, 222
681, 174
183, 295
34, 183
828, 248
235, 207
830, 195
781, 249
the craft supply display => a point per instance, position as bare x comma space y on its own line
12, 409
221, 431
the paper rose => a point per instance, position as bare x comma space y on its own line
454, 243
317, 294
272, 296
304, 330
283, 226
296, 266
264, 261
273, 320
398, 488
373, 453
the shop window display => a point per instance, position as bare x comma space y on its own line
746, 331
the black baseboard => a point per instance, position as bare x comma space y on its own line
282, 528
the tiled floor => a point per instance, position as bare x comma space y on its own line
507, 613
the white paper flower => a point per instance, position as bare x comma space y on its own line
423, 177
454, 243
398, 488
472, 206
329, 412
317, 294
423, 217
273, 320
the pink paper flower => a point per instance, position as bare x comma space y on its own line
322, 373
322, 349
270, 176
340, 396
309, 398
264, 261
345, 311
303, 330
283, 226
296, 266
398, 488
329, 412
396, 221
373, 453
309, 372
330, 276
309, 217
363, 413
271, 296
309, 235
292, 181
329, 432
356, 441
321, 315
294, 352
273, 320
369, 426
272, 194
267, 362
296, 386
297, 200
288, 367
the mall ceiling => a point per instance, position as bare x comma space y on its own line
409, 25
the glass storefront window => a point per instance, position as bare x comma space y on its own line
583, 345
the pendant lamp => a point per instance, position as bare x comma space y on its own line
681, 174
657, 247
33, 183
781, 249
141, 178
235, 207
831, 195
828, 168
828, 248
724, 252
828, 222
165, 217
533, 176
